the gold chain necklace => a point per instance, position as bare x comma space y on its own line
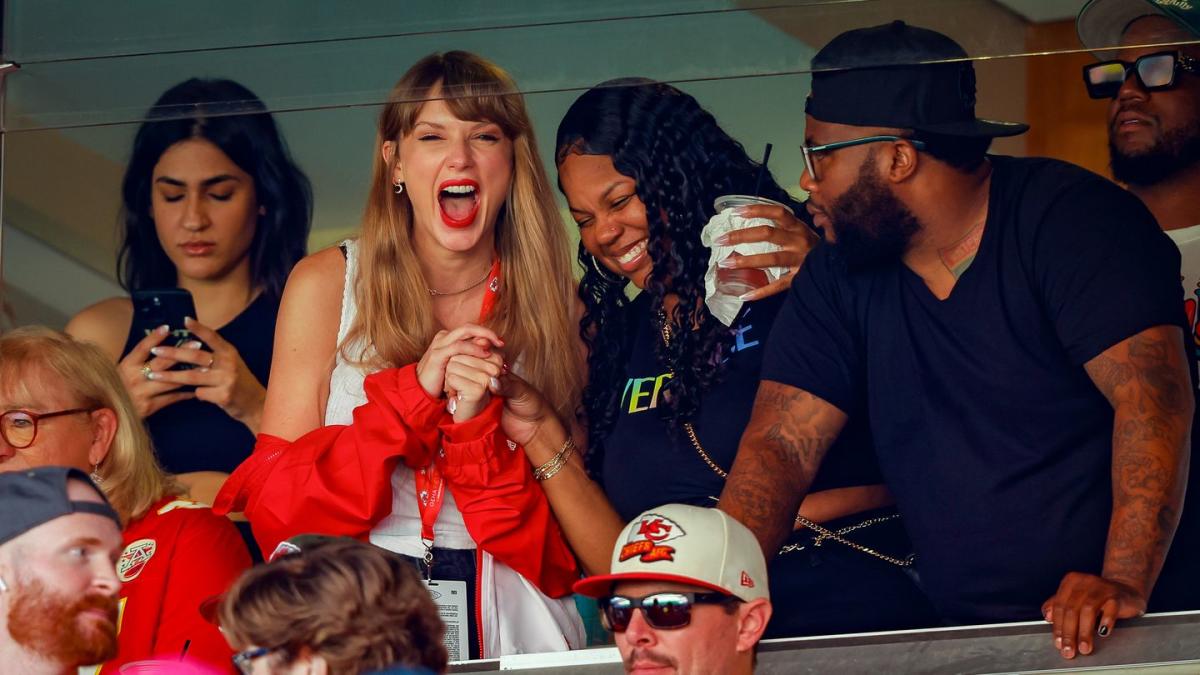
433, 292
822, 532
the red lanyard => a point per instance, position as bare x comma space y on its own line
431, 485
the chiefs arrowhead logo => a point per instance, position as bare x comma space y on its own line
134, 558
657, 529
746, 580
645, 539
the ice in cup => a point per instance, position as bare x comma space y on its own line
735, 281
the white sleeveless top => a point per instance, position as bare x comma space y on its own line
400, 531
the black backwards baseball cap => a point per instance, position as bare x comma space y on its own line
37, 496
897, 75
1101, 23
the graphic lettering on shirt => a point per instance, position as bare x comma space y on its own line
134, 558
641, 393
647, 538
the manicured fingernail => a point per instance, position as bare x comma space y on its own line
1103, 630
1058, 643
192, 344
162, 329
727, 263
155, 351
188, 320
151, 376
741, 210
494, 384
203, 370
722, 240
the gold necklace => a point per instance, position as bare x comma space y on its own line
823, 533
433, 292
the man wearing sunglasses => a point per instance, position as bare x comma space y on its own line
1013, 328
1153, 113
687, 593
59, 543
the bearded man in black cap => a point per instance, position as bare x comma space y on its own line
1013, 328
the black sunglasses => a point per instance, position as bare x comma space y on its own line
662, 610
1153, 71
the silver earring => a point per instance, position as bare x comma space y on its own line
399, 186
605, 276
3, 586
95, 475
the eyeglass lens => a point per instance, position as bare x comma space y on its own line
1154, 71
18, 428
663, 610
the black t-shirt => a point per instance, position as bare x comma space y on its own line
991, 435
645, 465
195, 435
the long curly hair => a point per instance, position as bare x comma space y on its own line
682, 161
231, 117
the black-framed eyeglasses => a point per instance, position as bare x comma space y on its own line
244, 660
812, 153
662, 610
1153, 71
19, 427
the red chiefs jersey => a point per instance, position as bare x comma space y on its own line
176, 556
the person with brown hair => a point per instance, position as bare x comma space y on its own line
381, 421
363, 609
62, 403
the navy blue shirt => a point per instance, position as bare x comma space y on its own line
992, 437
195, 435
646, 465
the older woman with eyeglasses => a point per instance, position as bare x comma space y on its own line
62, 403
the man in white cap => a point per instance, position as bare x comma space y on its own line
1153, 114
699, 578
59, 542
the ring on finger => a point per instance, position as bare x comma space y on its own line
147, 371
211, 360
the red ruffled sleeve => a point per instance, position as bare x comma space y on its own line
504, 508
337, 479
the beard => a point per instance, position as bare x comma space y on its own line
51, 626
873, 227
1175, 151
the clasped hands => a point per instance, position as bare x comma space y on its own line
465, 365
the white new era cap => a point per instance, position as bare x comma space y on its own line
687, 545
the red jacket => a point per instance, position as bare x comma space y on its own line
337, 479
176, 556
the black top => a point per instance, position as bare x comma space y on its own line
645, 465
196, 435
992, 437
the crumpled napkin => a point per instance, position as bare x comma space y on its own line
725, 307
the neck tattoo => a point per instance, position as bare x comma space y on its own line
959, 256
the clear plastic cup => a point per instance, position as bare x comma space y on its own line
739, 281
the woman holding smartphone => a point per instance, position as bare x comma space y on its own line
212, 204
381, 420
670, 387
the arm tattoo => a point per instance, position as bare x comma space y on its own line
789, 432
1145, 378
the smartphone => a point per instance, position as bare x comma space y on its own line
154, 307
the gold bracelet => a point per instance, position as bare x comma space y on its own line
557, 462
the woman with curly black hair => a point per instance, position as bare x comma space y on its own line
671, 387
212, 203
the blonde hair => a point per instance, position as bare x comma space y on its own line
359, 607
131, 476
395, 314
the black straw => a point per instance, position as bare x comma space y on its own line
186, 644
762, 171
